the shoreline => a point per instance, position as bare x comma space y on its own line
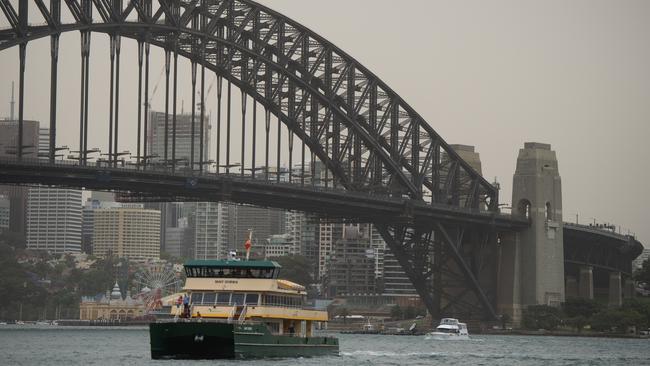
561, 334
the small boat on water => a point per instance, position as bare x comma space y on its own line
449, 329
239, 309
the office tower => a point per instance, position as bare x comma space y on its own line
132, 233
54, 220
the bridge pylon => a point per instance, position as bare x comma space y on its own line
531, 261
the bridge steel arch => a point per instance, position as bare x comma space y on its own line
367, 136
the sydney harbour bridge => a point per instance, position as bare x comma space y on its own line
383, 162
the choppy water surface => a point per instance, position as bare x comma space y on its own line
51, 345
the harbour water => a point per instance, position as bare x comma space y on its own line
71, 346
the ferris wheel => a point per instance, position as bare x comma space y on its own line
154, 282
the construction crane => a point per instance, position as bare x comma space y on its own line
155, 88
207, 94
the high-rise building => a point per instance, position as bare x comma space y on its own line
211, 223
179, 240
183, 142
54, 220
264, 222
18, 195
396, 282
184, 241
132, 233
351, 266
303, 230
88, 220
43, 143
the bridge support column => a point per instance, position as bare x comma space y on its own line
571, 288
586, 290
628, 288
508, 279
615, 290
537, 196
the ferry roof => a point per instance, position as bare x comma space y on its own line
232, 264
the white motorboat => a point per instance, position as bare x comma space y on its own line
449, 329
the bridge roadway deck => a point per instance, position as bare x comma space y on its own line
163, 185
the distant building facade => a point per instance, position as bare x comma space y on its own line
18, 195
264, 222
132, 233
88, 221
54, 220
303, 229
183, 142
279, 245
211, 224
111, 306
5, 213
351, 266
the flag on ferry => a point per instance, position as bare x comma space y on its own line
247, 245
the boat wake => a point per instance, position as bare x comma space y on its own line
390, 354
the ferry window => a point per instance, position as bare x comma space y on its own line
270, 300
223, 298
251, 299
197, 297
237, 299
209, 297
274, 327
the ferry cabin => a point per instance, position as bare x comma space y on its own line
248, 290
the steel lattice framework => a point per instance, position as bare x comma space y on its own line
367, 136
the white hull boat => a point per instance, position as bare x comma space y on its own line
450, 329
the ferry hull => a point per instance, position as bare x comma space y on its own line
210, 340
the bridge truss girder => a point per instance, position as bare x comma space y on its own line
452, 266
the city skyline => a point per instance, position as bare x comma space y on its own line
571, 75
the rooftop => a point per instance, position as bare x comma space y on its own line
232, 264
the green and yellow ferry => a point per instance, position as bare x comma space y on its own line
240, 309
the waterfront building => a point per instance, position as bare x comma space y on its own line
111, 306
54, 220
396, 282
132, 233
351, 266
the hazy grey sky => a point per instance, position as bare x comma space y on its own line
575, 74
